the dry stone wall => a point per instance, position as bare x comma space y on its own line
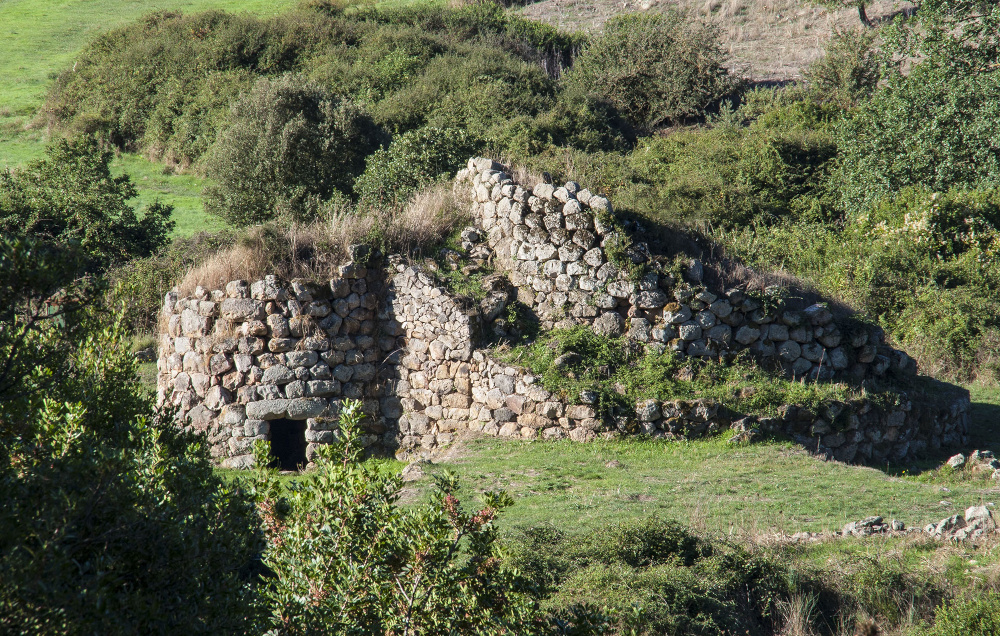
557, 243
235, 361
256, 360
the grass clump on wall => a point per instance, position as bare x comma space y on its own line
621, 372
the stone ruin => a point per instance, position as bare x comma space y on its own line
273, 360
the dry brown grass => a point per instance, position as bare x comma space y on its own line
770, 40
314, 251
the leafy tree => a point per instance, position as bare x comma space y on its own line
348, 560
39, 292
71, 196
112, 520
655, 68
963, 35
290, 145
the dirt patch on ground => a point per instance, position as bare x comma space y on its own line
770, 40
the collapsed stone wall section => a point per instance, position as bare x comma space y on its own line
556, 244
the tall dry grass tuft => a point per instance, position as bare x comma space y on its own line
798, 614
314, 250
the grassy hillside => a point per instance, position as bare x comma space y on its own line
39, 39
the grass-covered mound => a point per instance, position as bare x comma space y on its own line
621, 372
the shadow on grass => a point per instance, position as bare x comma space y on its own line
984, 429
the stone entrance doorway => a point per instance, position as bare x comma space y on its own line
288, 444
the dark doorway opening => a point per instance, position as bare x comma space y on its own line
288, 444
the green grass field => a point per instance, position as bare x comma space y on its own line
758, 489
39, 38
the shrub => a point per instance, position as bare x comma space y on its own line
164, 84
289, 146
979, 615
475, 89
124, 76
113, 521
413, 159
70, 196
655, 68
778, 167
652, 577
347, 559
931, 127
849, 71
923, 264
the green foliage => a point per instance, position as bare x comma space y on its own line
473, 88
850, 69
347, 559
413, 159
113, 520
777, 167
979, 615
71, 197
924, 264
473, 68
931, 127
113, 88
931, 123
958, 34
655, 68
289, 146
39, 294
652, 577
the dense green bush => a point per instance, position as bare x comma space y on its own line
70, 196
930, 127
777, 167
653, 577
849, 70
414, 159
164, 85
932, 122
113, 521
122, 78
347, 559
655, 68
288, 147
924, 264
976, 616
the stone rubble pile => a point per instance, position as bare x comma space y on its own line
978, 461
975, 524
